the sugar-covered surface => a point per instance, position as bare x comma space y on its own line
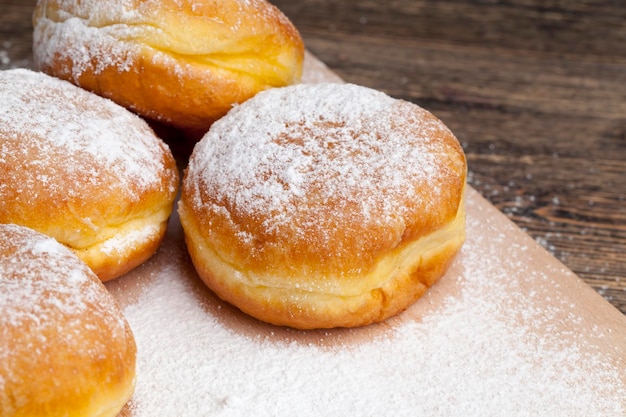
51, 305
336, 161
97, 38
25, 297
74, 138
508, 331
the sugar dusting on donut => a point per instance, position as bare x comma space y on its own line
51, 295
66, 137
338, 145
116, 33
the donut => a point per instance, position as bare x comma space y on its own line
181, 62
324, 205
84, 170
65, 347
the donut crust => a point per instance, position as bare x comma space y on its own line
181, 63
341, 228
399, 279
66, 349
82, 169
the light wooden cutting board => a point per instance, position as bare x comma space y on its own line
508, 331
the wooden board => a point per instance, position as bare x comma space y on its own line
507, 331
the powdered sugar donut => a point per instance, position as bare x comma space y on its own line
82, 169
184, 63
65, 348
324, 205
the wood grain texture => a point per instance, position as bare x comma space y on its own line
535, 90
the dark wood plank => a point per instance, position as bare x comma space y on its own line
15, 33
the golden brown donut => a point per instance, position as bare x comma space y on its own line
65, 348
180, 62
316, 206
82, 169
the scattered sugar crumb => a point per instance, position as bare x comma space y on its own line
4, 58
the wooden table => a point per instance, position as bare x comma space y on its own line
535, 92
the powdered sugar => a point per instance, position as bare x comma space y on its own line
65, 137
46, 291
82, 53
43, 250
242, 147
134, 238
488, 340
67, 120
117, 35
326, 157
84, 34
